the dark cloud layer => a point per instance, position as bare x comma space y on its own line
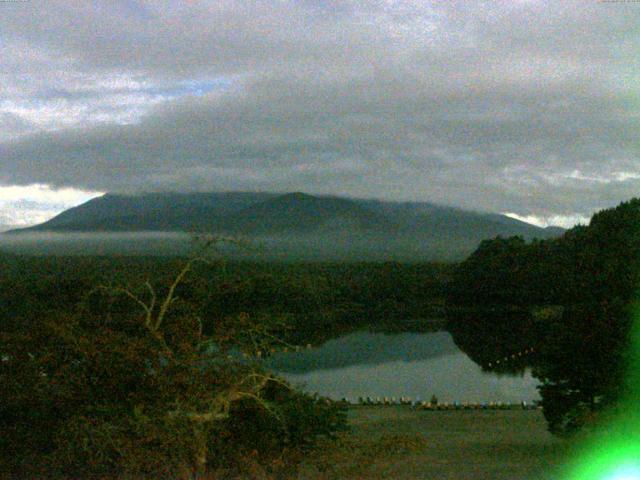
522, 106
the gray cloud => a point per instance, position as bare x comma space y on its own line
521, 106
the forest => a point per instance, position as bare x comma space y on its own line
570, 302
150, 367
129, 358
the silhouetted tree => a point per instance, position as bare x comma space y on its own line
568, 298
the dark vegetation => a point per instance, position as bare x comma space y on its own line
309, 302
100, 380
116, 367
570, 299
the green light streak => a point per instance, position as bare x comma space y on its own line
614, 451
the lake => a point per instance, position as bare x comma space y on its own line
415, 365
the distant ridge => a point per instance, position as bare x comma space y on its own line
6, 228
554, 231
317, 226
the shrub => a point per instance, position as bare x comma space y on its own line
106, 393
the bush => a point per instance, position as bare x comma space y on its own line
105, 393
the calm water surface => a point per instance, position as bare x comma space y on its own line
416, 365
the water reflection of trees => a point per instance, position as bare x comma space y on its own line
570, 299
501, 340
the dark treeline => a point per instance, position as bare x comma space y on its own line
569, 299
100, 380
312, 301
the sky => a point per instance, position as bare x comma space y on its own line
525, 107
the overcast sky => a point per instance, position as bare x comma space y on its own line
521, 106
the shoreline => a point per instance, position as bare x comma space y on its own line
404, 443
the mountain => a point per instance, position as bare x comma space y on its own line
6, 228
151, 212
554, 231
298, 224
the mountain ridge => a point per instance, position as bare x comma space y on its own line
313, 223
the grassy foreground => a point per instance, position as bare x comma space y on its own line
400, 443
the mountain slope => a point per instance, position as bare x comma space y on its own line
151, 212
6, 228
302, 213
306, 226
